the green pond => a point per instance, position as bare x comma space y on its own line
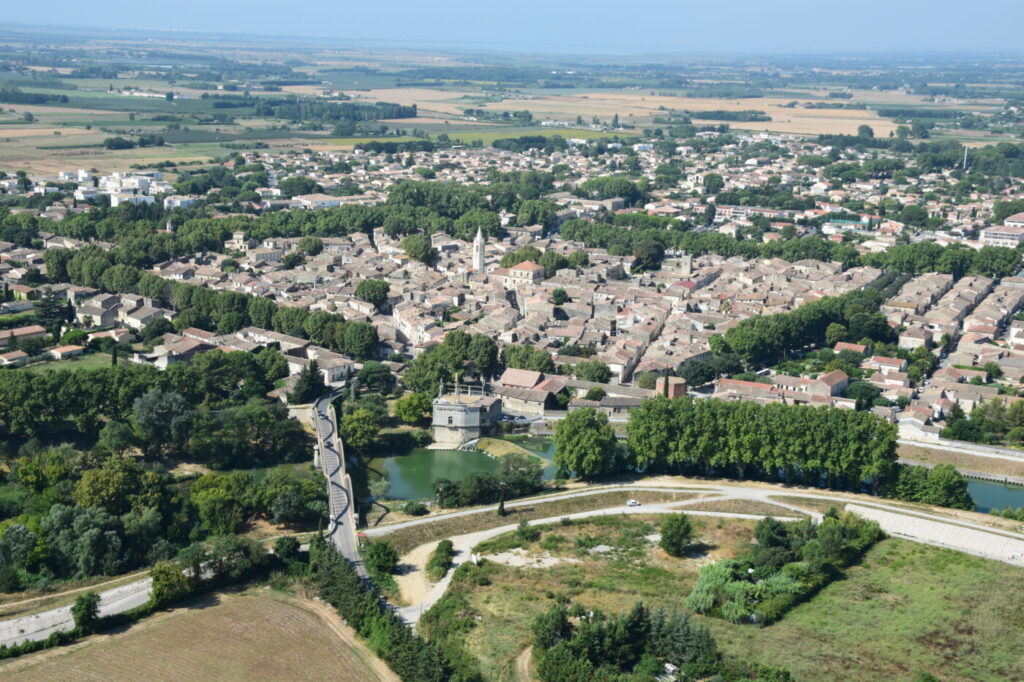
412, 475
989, 495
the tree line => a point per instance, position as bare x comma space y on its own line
223, 312
622, 240
412, 658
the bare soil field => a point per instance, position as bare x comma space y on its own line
220, 637
641, 108
45, 133
423, 98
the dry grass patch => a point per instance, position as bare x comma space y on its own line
906, 609
499, 448
740, 507
985, 465
808, 503
642, 108
225, 637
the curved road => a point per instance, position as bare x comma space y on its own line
919, 526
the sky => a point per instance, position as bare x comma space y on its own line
561, 26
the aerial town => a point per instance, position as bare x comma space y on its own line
459, 367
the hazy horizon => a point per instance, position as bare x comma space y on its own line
652, 27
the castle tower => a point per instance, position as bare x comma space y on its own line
478, 251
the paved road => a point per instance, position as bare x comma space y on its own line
342, 529
41, 625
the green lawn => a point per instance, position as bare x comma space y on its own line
91, 361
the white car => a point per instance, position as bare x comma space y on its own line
632, 503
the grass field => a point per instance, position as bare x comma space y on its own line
905, 610
225, 637
90, 361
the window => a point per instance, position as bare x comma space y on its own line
450, 421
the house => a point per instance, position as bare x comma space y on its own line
239, 242
1016, 220
15, 358
520, 378
177, 201
65, 352
832, 384
618, 407
915, 337
121, 337
1005, 235
143, 315
524, 401
855, 347
524, 274
315, 201
884, 365
19, 334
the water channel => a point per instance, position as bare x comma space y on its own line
412, 475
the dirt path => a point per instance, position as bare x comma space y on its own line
523, 665
347, 635
413, 584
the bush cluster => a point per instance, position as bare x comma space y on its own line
788, 565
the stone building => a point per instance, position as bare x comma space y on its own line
463, 416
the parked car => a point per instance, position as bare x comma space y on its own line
632, 503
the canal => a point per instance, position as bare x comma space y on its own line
412, 476
989, 495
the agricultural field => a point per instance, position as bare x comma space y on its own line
905, 610
224, 637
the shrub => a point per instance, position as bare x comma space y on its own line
86, 612
415, 509
441, 560
676, 534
